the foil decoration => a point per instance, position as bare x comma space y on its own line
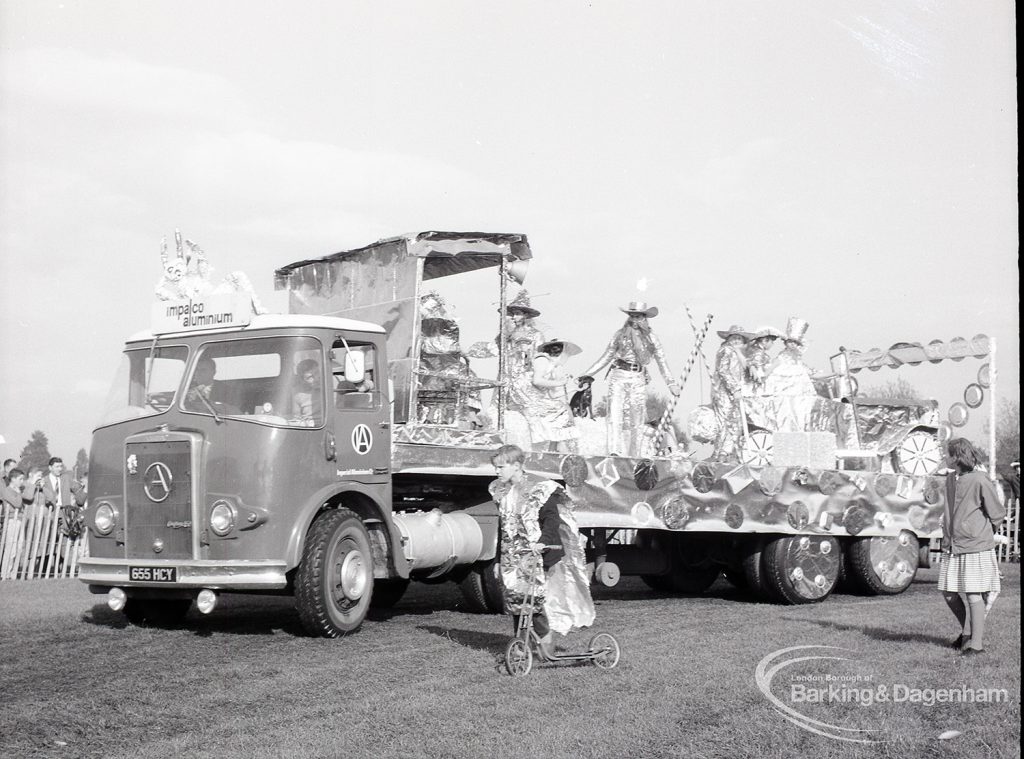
798, 515
703, 478
675, 513
885, 485
958, 414
642, 512
933, 490
734, 516
703, 425
770, 481
974, 395
574, 470
856, 518
645, 474
829, 482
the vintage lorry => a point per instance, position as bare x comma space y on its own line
327, 457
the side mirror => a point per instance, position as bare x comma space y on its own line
352, 362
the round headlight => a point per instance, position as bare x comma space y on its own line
105, 518
222, 518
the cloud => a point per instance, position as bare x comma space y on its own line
72, 80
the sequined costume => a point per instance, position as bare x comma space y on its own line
547, 408
790, 383
533, 511
726, 396
627, 356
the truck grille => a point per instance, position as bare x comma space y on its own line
158, 501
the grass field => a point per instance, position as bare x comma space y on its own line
425, 680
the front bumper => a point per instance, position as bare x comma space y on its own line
217, 575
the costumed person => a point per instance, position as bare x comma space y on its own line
538, 512
758, 355
758, 405
522, 338
189, 275
727, 391
968, 566
551, 421
628, 354
443, 368
790, 381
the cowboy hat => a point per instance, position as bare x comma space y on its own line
767, 332
735, 329
640, 308
568, 348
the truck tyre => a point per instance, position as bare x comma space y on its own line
386, 593
802, 569
883, 565
481, 589
152, 612
334, 581
753, 568
692, 570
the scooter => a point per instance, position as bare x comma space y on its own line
603, 648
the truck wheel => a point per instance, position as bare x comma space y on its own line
753, 568
334, 582
736, 578
692, 571
883, 565
802, 569
481, 589
386, 593
152, 612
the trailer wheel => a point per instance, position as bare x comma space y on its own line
883, 565
386, 593
753, 568
757, 448
152, 612
919, 454
802, 569
481, 589
334, 582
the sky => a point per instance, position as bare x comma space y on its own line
850, 163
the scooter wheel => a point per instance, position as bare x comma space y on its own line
518, 658
604, 650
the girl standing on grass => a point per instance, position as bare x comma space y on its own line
968, 566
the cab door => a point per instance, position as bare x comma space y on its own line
361, 410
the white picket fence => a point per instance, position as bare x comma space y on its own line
1010, 549
32, 545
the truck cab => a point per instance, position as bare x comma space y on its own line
218, 449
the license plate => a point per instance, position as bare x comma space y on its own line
153, 574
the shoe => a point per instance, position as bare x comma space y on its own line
960, 643
972, 651
545, 647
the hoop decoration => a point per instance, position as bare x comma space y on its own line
958, 414
985, 376
974, 395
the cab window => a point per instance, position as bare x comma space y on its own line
354, 376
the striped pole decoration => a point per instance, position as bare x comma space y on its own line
693, 326
666, 418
